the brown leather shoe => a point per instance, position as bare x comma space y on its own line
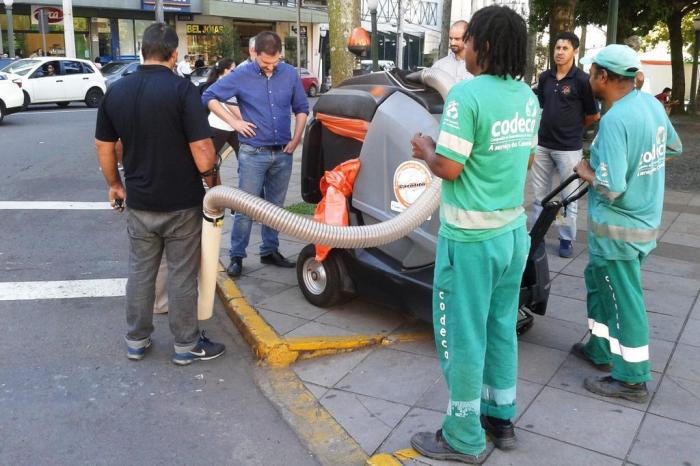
579, 351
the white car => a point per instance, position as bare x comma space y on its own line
11, 97
58, 80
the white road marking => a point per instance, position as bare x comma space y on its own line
53, 205
49, 112
100, 288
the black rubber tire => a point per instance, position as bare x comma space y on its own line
320, 282
2, 111
63, 104
313, 91
93, 97
27, 100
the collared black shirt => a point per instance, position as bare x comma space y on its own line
564, 104
156, 114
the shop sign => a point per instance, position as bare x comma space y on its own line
204, 29
175, 6
54, 14
185, 17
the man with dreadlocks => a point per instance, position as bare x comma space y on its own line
487, 134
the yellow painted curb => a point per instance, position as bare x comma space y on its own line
279, 351
383, 459
314, 426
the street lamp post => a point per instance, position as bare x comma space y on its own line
372, 5
10, 28
694, 79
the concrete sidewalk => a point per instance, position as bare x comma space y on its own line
382, 395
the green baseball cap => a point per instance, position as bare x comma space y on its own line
620, 59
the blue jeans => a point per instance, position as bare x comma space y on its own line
266, 174
546, 161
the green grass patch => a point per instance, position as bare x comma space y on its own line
302, 208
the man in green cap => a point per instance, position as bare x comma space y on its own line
626, 173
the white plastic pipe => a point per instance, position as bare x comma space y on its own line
211, 241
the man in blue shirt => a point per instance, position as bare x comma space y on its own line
626, 173
268, 92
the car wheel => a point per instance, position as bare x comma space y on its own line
313, 91
63, 104
2, 111
320, 282
93, 98
27, 100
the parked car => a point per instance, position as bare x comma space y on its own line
11, 96
117, 69
309, 81
58, 80
199, 75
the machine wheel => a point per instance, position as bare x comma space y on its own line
525, 321
313, 91
63, 104
320, 282
93, 98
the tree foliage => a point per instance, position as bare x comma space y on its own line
228, 44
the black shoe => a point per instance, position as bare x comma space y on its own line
433, 445
204, 350
275, 258
607, 386
579, 351
501, 431
235, 268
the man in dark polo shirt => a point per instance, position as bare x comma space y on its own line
167, 152
568, 106
268, 92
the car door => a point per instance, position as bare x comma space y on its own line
75, 80
46, 87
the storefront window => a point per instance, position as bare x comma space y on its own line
126, 37
104, 36
140, 26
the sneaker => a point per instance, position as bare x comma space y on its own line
607, 386
275, 258
579, 351
235, 268
204, 350
501, 431
434, 445
137, 354
566, 249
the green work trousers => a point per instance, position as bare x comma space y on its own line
617, 318
475, 310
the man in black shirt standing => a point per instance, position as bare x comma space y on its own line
167, 152
568, 106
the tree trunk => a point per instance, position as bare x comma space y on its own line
445, 28
582, 45
531, 69
343, 17
560, 19
673, 22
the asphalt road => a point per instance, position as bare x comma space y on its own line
68, 395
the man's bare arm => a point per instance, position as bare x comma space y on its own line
205, 159
299, 125
107, 158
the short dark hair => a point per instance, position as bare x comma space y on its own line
268, 42
500, 41
570, 36
666, 89
159, 42
612, 76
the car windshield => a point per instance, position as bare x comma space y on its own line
21, 67
113, 68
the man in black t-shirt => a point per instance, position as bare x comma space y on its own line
167, 151
568, 106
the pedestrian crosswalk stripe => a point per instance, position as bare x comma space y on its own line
53, 205
98, 288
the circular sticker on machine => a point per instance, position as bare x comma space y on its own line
411, 179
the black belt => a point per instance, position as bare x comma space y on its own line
276, 148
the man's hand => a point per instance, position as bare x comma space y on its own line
245, 128
422, 146
291, 146
117, 197
585, 172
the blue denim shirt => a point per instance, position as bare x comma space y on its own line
266, 102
